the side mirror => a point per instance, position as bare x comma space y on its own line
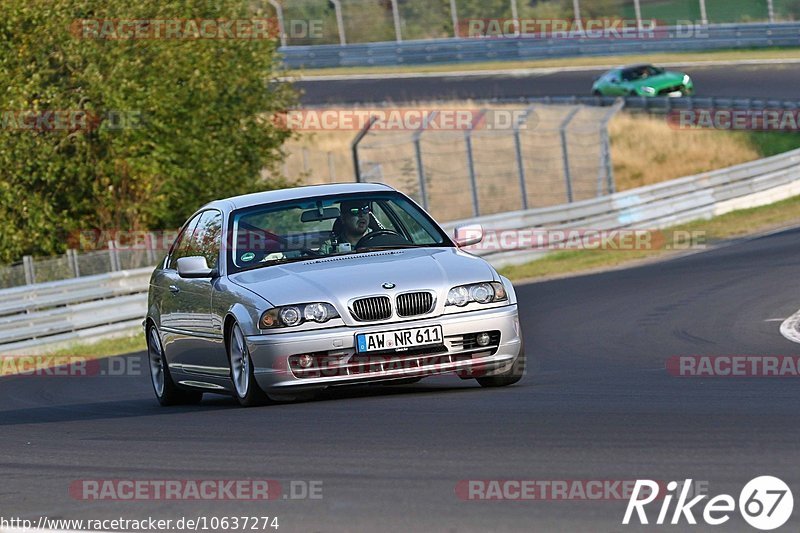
468, 234
194, 267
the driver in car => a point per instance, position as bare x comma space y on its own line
349, 228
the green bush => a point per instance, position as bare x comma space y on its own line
196, 120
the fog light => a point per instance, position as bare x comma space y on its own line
482, 339
305, 361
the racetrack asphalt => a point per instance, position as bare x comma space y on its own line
597, 404
773, 81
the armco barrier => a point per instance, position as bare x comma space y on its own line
73, 309
465, 50
655, 206
87, 307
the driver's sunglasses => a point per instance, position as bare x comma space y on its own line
360, 211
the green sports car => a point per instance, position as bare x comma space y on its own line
643, 80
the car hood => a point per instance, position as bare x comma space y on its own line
661, 81
339, 279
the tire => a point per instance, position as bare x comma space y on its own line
167, 392
509, 377
245, 386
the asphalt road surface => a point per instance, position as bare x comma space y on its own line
597, 404
754, 81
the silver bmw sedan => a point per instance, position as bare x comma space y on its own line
275, 295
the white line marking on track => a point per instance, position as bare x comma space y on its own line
789, 327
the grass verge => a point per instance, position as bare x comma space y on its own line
735, 224
670, 57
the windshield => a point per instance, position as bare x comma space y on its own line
320, 227
640, 73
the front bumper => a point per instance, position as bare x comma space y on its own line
271, 353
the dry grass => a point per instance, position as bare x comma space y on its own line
645, 150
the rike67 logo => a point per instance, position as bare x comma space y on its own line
765, 503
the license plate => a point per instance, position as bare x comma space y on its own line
399, 340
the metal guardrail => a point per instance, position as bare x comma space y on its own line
654, 206
465, 50
69, 310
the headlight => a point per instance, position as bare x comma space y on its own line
294, 315
648, 90
686, 79
483, 293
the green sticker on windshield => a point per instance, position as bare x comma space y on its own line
249, 256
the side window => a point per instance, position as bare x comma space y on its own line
208, 237
418, 234
183, 244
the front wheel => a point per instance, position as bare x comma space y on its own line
245, 387
166, 391
510, 376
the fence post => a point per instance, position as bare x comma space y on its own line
576, 13
331, 168
703, 13
637, 7
565, 152
279, 14
771, 11
354, 146
515, 12
396, 17
30, 272
151, 254
337, 6
520, 162
423, 190
606, 166
454, 17
473, 183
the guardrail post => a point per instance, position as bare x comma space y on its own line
565, 152
279, 14
354, 146
30, 272
72, 259
454, 17
473, 182
771, 11
523, 189
337, 6
396, 17
113, 256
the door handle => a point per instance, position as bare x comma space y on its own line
174, 289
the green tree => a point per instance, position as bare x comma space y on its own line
179, 121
